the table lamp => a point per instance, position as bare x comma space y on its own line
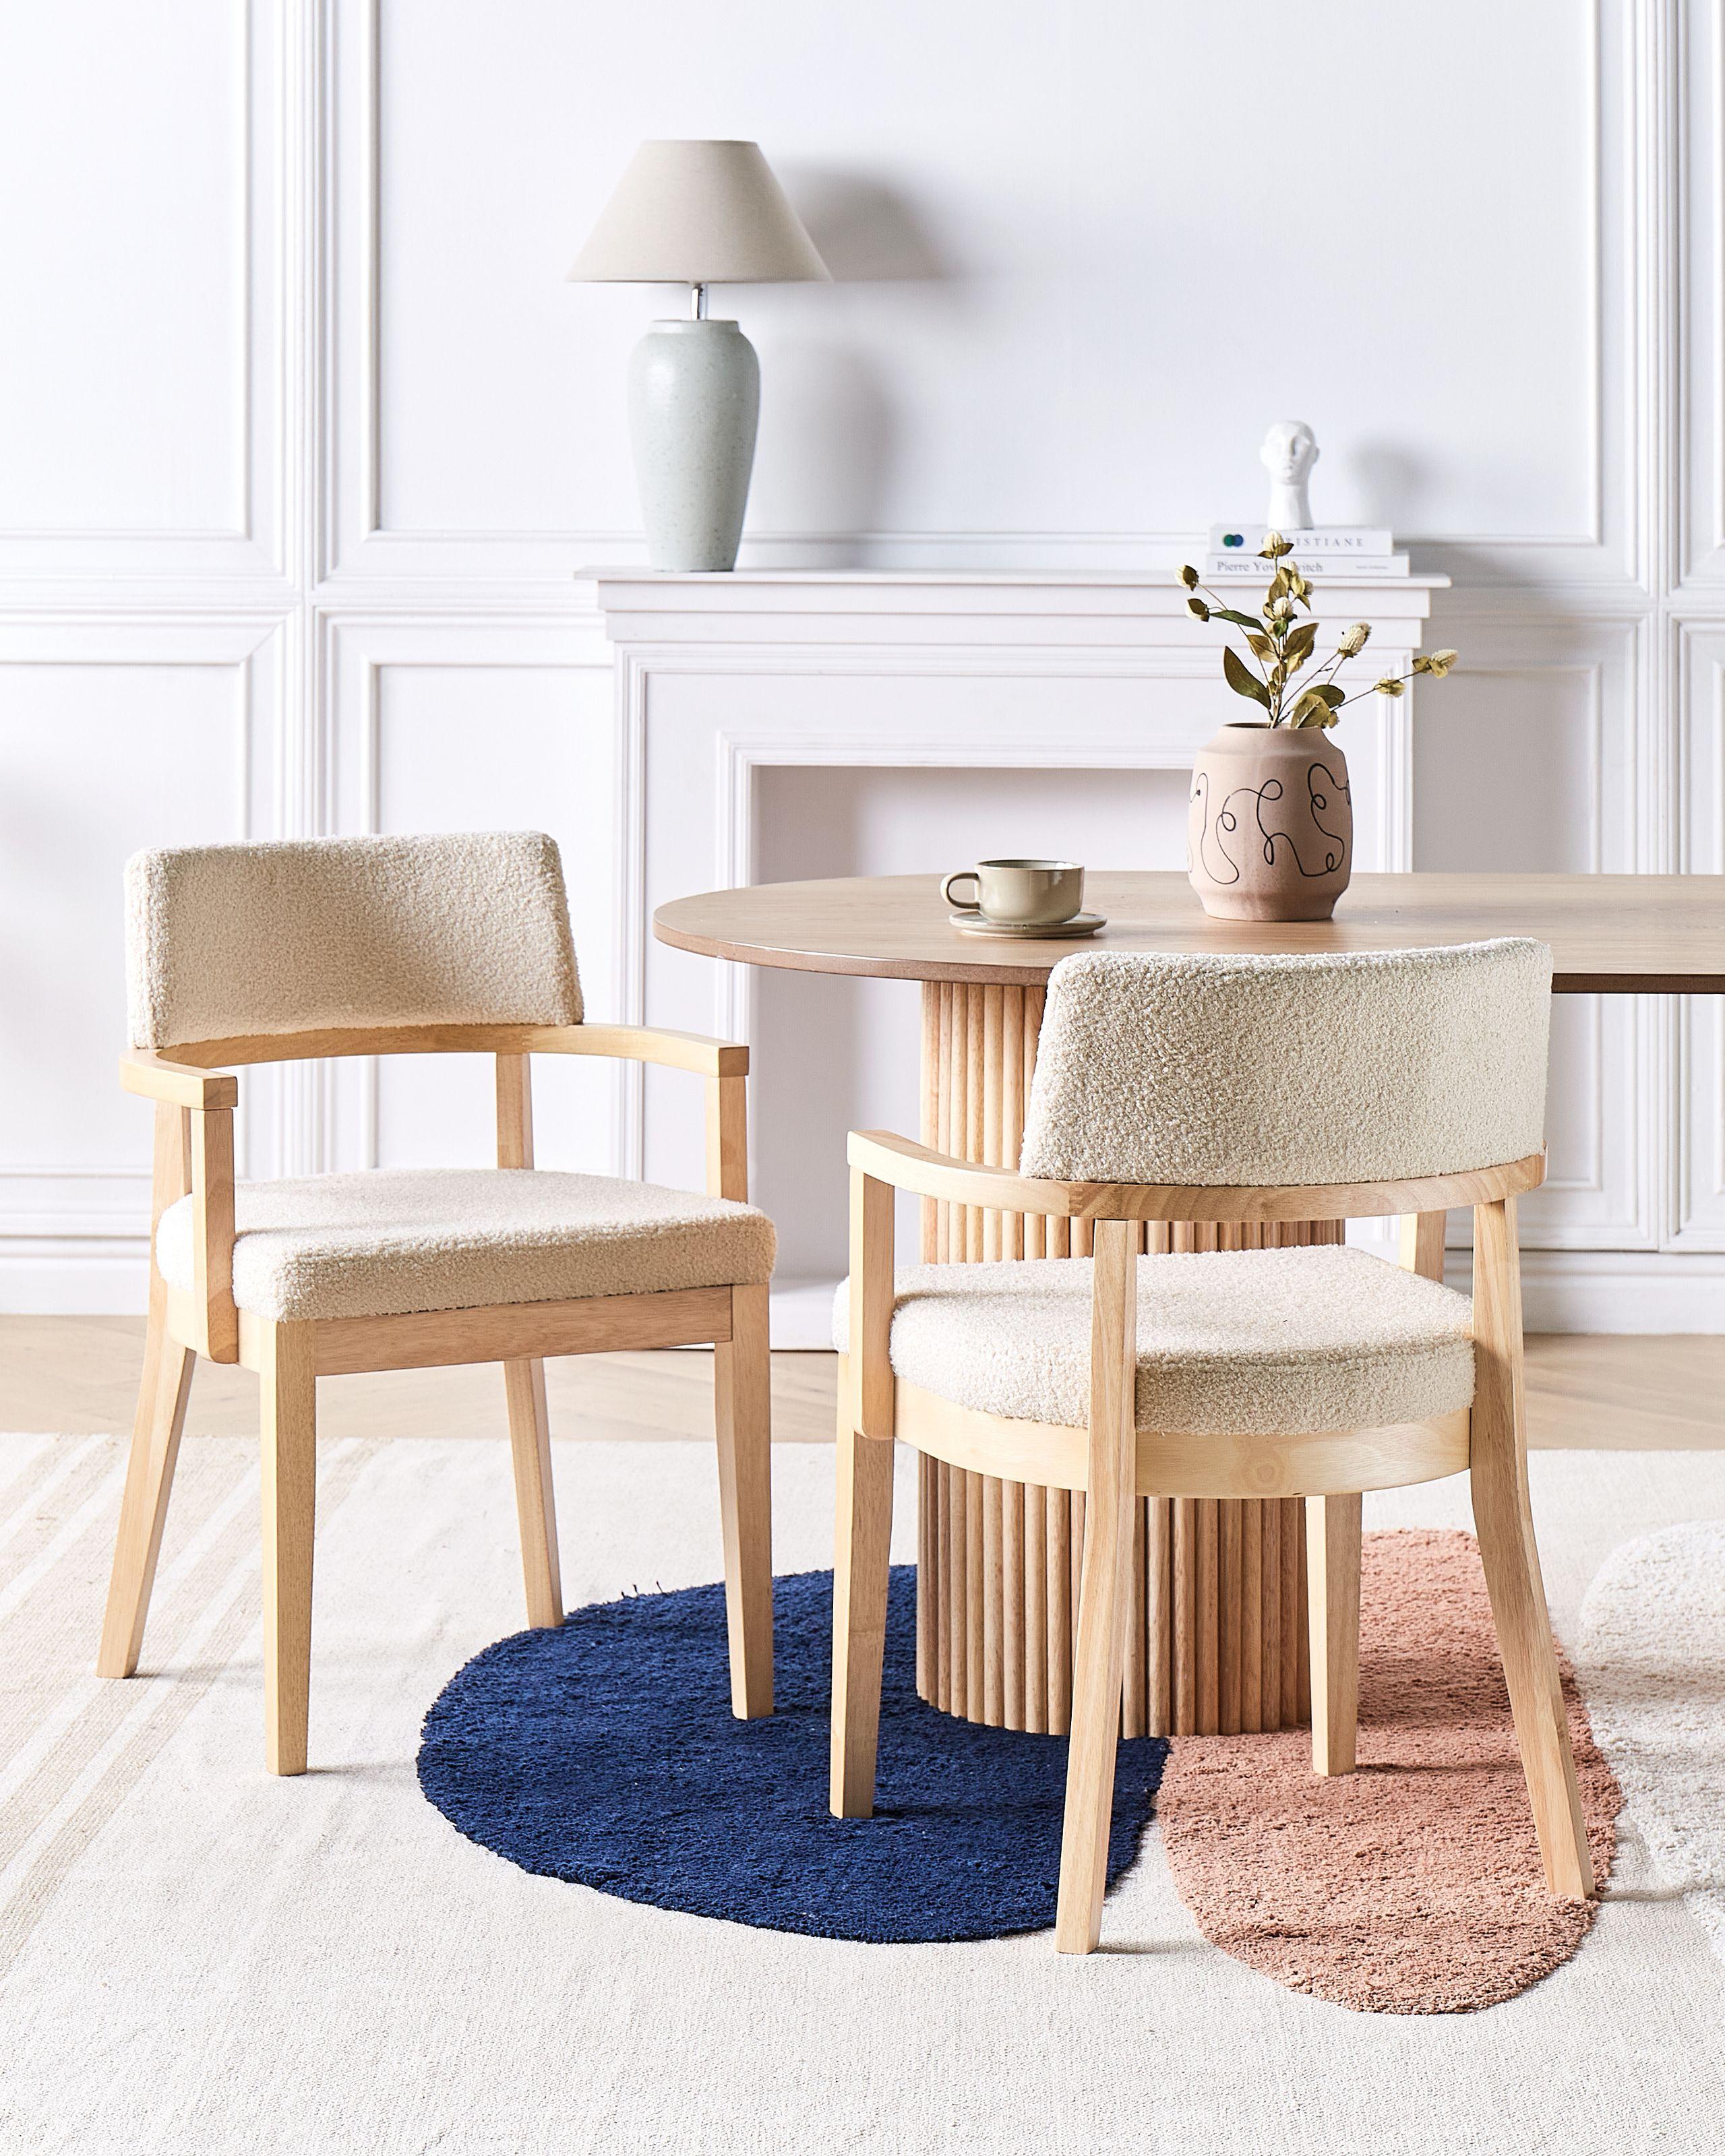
695, 213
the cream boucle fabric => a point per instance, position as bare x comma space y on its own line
1249, 1341
1347, 1067
464, 927
383, 1243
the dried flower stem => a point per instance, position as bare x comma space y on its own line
1266, 674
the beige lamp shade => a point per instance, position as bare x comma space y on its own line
698, 213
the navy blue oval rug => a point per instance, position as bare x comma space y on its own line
606, 1752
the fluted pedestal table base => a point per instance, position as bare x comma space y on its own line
1217, 1643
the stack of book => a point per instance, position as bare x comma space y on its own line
1328, 550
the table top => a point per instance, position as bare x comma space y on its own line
1611, 935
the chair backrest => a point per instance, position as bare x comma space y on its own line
464, 927
1358, 1066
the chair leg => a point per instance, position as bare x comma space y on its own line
149, 1477
1505, 1528
1504, 1520
1105, 1596
288, 1372
535, 1502
743, 1405
861, 1578
1333, 1539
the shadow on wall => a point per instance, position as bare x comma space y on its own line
1392, 484
826, 454
1395, 488
867, 233
828, 430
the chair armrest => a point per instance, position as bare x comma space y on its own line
177, 1085
724, 1063
201, 1161
643, 1044
908, 1166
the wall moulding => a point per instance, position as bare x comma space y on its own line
1622, 81
1559, 713
254, 548
1697, 1118
1693, 444
170, 728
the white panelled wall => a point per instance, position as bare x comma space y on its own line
303, 439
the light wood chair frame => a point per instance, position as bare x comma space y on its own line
195, 1099
1114, 1462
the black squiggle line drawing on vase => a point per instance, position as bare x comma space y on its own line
1321, 801
1225, 820
1271, 790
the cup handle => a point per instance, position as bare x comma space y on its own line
963, 876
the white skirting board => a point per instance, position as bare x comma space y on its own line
74, 1276
1615, 1291
1562, 1291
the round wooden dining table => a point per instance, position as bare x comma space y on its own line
1218, 1641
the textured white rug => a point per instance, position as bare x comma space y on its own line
1650, 1656
194, 1958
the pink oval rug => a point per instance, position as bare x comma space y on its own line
1414, 1885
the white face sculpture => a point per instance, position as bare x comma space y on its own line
1289, 451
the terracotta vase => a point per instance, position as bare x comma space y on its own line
1269, 831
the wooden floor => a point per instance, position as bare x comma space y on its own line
78, 1375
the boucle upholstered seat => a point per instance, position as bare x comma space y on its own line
381, 1244
1271, 1341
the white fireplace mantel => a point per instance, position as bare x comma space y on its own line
718, 674
721, 678
1064, 669
1131, 607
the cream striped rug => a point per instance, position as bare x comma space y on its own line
195, 1958
67, 1769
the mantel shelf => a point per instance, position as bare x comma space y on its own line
867, 580
916, 606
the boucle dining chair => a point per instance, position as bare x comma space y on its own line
1246, 1090
270, 953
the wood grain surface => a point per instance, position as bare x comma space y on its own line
1611, 935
